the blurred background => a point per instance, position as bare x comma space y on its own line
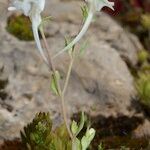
134, 15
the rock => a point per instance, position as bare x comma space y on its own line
100, 80
125, 43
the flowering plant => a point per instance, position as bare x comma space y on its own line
33, 9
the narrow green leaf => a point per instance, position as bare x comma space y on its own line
74, 127
83, 48
87, 138
53, 86
100, 146
57, 74
67, 41
46, 19
55, 79
85, 11
81, 124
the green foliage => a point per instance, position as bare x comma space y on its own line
87, 138
145, 20
100, 146
143, 87
143, 78
54, 80
84, 142
85, 12
76, 128
46, 20
71, 50
38, 135
20, 27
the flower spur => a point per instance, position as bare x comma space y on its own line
32, 9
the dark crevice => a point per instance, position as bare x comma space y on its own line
115, 132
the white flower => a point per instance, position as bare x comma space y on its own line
94, 6
32, 9
97, 5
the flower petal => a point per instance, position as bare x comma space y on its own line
12, 8
94, 5
99, 4
36, 20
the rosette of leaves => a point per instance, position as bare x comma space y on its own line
143, 78
38, 135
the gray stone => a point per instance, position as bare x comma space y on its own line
100, 80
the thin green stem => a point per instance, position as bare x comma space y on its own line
65, 116
68, 76
61, 94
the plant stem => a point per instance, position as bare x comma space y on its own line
68, 76
65, 116
61, 94
51, 65
74, 144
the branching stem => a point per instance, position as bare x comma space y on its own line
60, 92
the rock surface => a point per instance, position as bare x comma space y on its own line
100, 81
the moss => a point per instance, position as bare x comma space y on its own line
143, 56
38, 135
143, 88
142, 77
20, 27
141, 74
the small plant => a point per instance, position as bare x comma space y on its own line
38, 135
83, 142
100, 146
143, 56
145, 20
142, 79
